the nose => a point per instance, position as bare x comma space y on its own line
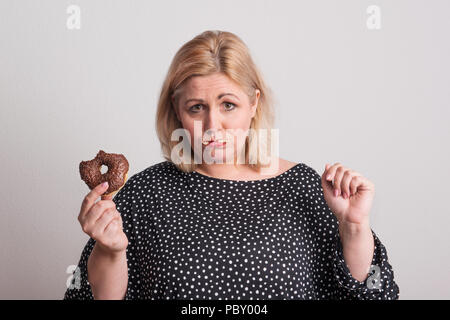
213, 121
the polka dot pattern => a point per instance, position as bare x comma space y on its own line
192, 236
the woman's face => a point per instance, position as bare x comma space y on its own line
218, 109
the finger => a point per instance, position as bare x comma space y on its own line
328, 172
97, 210
328, 175
105, 219
354, 185
120, 221
90, 198
325, 172
364, 184
112, 227
338, 179
107, 197
326, 182
331, 172
345, 184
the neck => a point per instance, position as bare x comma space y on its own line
223, 171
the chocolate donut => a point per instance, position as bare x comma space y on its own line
116, 175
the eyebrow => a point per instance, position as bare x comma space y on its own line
218, 97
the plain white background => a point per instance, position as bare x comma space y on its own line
375, 100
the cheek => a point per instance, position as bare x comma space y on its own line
188, 124
240, 124
240, 120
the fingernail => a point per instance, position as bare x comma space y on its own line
329, 177
104, 184
335, 192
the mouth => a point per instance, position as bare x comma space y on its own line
215, 143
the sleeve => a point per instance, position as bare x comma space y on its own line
335, 281
79, 288
379, 283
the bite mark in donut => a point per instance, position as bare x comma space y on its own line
116, 175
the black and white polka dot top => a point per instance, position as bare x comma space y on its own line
192, 236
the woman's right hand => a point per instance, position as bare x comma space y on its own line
102, 222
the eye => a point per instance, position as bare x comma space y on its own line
195, 109
229, 104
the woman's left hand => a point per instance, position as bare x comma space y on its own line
355, 194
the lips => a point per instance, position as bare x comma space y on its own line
215, 143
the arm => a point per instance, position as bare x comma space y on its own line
378, 284
105, 268
344, 247
358, 248
107, 274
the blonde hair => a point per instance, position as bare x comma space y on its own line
208, 53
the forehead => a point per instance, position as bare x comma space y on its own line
212, 84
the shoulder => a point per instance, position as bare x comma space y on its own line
302, 170
311, 175
163, 167
285, 165
155, 173
145, 182
310, 171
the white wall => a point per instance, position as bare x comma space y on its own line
375, 100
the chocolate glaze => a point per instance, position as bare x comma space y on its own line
117, 168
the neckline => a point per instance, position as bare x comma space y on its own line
205, 177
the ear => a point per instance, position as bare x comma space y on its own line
257, 94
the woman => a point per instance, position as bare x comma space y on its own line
216, 229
